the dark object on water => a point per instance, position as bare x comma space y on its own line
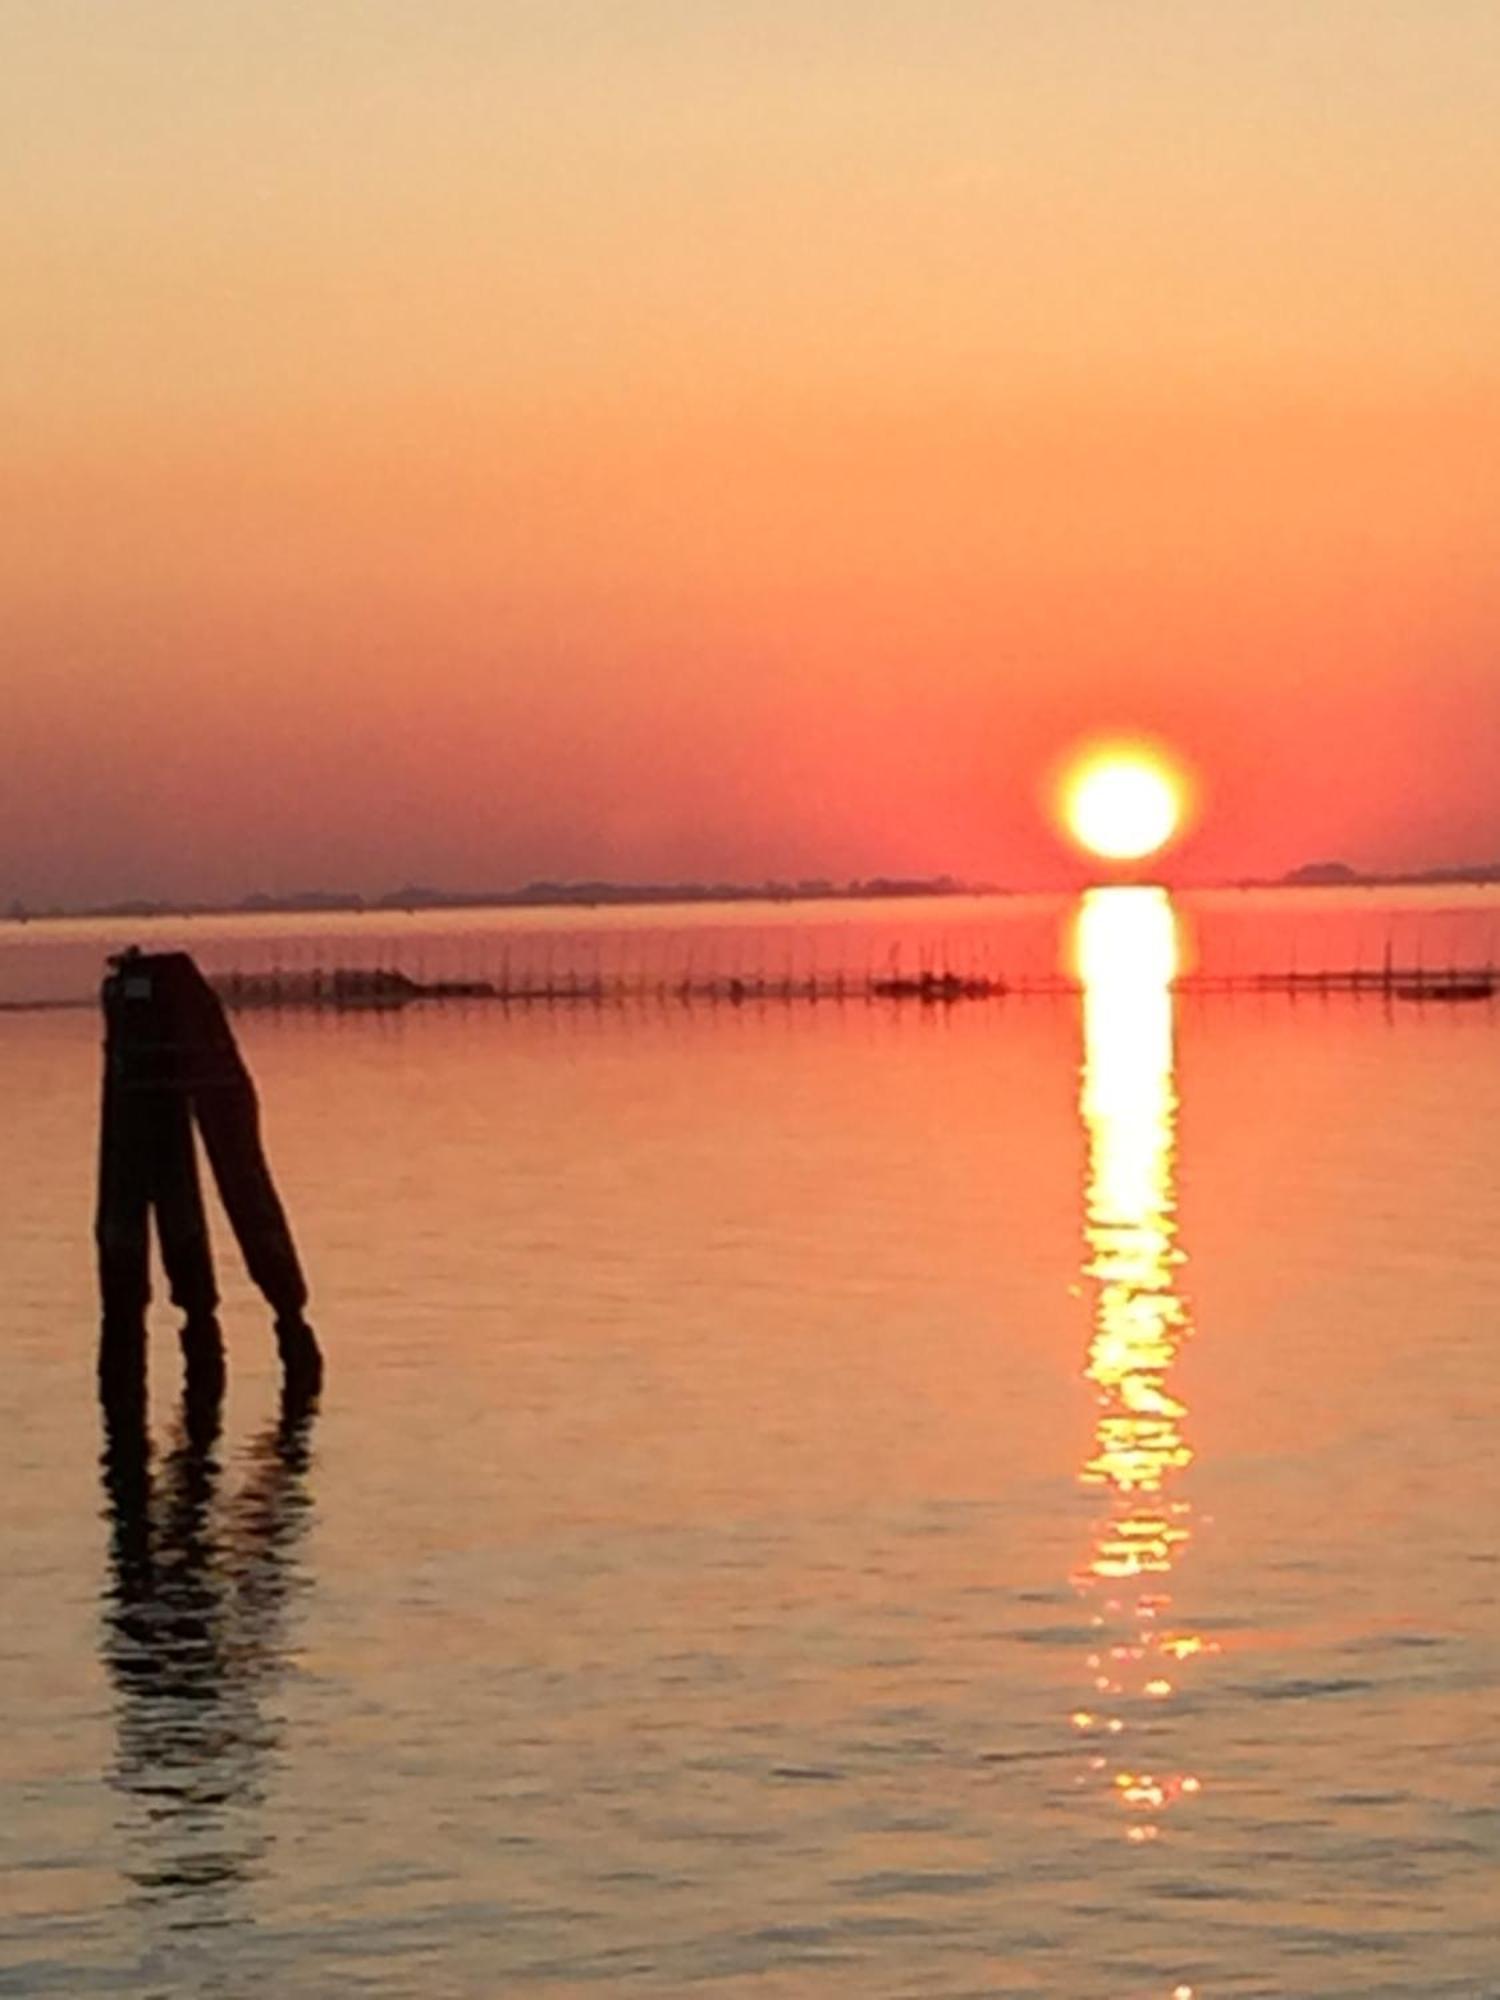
935, 987
1446, 986
346, 987
170, 1060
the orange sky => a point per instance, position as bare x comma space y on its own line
492, 438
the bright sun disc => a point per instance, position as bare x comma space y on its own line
1122, 805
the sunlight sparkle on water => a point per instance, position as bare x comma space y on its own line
1126, 945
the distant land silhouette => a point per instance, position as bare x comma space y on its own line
415, 896
534, 895
1341, 875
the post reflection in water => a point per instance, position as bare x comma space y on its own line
192, 1640
1127, 949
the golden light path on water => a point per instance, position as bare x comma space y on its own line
1127, 952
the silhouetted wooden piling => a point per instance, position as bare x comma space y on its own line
122, 1230
170, 1059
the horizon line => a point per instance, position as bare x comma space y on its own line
589, 892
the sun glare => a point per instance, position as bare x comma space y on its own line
1122, 804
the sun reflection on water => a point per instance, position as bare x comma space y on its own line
1127, 954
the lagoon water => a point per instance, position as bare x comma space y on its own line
807, 1500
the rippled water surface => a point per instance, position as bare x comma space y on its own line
827, 1500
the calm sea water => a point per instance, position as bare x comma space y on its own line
806, 1501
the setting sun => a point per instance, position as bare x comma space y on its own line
1122, 804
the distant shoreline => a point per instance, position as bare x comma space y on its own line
414, 899
534, 896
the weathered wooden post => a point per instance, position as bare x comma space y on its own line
170, 1058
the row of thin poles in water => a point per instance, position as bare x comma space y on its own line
739, 967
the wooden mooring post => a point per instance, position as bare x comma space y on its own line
170, 1061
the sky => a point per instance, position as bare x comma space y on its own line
462, 441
